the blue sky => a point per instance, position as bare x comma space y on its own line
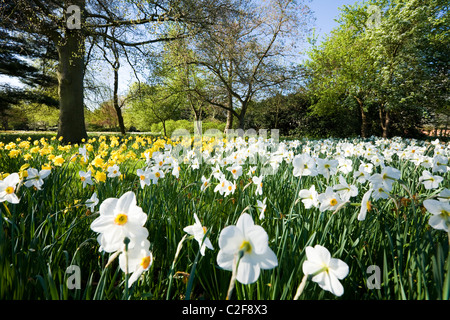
325, 11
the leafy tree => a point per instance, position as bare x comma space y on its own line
383, 66
35, 72
152, 104
69, 24
245, 54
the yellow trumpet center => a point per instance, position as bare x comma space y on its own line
145, 262
369, 205
9, 190
157, 174
445, 214
333, 202
246, 247
121, 219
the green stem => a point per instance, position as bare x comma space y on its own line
172, 268
126, 241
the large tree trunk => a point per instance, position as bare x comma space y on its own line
71, 125
229, 124
116, 101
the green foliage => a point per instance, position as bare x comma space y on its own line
384, 69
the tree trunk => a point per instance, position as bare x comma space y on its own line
385, 122
242, 121
229, 124
230, 115
164, 128
116, 102
71, 126
363, 118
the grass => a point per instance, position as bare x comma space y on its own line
49, 230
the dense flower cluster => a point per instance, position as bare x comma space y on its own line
360, 173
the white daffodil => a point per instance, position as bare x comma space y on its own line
86, 177
444, 195
304, 165
252, 171
205, 183
175, 169
144, 177
258, 182
441, 214
430, 181
327, 167
8, 187
439, 164
36, 178
92, 202
345, 165
83, 152
119, 219
113, 171
386, 178
199, 232
361, 176
249, 241
380, 193
310, 197
345, 190
261, 206
217, 172
138, 260
155, 174
325, 270
236, 171
366, 205
329, 200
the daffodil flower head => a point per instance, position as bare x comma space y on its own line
249, 242
325, 270
199, 232
138, 260
440, 210
8, 187
119, 219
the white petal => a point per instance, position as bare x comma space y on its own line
225, 260
108, 206
244, 223
437, 223
335, 286
247, 272
230, 239
339, 268
268, 260
309, 267
258, 238
126, 201
189, 230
